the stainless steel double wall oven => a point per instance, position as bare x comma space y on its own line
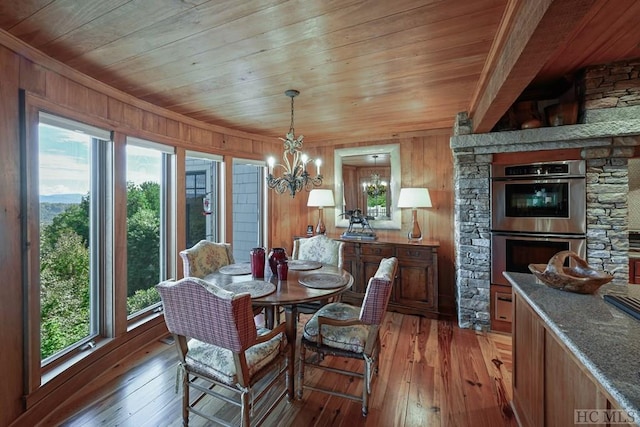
537, 210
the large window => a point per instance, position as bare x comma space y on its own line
71, 270
149, 196
202, 197
73, 171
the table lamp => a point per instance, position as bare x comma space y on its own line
414, 198
320, 198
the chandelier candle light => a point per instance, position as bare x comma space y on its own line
320, 198
414, 198
376, 187
294, 176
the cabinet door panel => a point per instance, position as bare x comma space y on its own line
528, 364
566, 386
413, 284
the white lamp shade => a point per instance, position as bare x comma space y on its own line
320, 198
414, 198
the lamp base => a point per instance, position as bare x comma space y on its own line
415, 235
320, 228
413, 238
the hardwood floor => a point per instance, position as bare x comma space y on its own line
432, 373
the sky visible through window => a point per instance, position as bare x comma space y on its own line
64, 162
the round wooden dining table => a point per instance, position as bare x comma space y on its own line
302, 286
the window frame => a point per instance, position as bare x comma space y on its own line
213, 176
38, 370
167, 262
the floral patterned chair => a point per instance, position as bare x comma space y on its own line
219, 345
343, 330
319, 248
322, 249
205, 257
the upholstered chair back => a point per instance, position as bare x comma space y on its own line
378, 292
205, 257
319, 248
198, 309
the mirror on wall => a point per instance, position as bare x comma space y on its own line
368, 178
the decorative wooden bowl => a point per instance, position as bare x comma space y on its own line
580, 278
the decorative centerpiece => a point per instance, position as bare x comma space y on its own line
357, 217
580, 278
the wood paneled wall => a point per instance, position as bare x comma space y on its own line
11, 294
426, 161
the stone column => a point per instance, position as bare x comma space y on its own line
607, 215
472, 233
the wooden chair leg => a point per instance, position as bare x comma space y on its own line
244, 410
302, 354
185, 397
366, 387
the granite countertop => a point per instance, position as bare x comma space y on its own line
604, 338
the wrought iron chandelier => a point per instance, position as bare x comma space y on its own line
376, 187
294, 177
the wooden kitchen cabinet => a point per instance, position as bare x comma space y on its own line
548, 382
634, 270
415, 290
528, 364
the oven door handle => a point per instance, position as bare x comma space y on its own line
547, 236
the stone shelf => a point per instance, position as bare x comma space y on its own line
605, 127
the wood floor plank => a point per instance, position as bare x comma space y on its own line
493, 349
431, 373
400, 366
452, 403
422, 379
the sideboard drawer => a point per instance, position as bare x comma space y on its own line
349, 249
414, 253
377, 250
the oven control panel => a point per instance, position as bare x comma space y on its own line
567, 168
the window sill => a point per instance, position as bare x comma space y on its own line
50, 373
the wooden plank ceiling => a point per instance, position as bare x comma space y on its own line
365, 69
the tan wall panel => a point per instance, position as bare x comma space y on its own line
32, 77
153, 123
11, 295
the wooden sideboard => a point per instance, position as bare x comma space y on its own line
416, 287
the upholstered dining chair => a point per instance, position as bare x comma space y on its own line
319, 248
322, 249
205, 257
220, 350
342, 330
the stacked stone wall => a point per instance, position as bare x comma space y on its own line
607, 216
473, 240
611, 85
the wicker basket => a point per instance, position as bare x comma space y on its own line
580, 278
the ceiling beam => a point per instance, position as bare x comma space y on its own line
530, 33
